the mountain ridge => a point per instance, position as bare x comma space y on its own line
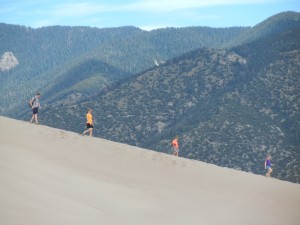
47, 53
271, 26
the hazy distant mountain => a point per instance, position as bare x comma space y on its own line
44, 54
229, 107
48, 53
140, 52
271, 26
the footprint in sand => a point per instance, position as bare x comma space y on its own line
155, 157
76, 138
62, 134
183, 164
142, 153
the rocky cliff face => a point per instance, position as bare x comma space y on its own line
8, 61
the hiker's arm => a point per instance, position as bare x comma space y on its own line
30, 102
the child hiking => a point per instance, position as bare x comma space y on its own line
175, 146
268, 165
35, 105
89, 123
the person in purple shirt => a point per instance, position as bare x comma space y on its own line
268, 165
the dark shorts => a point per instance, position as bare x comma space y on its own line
89, 126
35, 110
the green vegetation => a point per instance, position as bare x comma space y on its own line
276, 24
52, 54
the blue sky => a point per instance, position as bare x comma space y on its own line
147, 14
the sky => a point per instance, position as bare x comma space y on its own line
146, 14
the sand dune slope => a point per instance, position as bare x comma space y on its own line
54, 177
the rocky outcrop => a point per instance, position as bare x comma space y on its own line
8, 61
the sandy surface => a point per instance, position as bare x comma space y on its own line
54, 177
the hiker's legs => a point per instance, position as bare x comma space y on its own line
270, 171
36, 118
34, 115
87, 131
32, 118
84, 132
268, 174
175, 152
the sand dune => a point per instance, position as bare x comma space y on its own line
54, 177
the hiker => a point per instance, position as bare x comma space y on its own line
89, 123
268, 165
175, 146
35, 105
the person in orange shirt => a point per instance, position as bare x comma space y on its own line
89, 123
175, 146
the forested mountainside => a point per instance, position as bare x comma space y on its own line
84, 81
48, 55
42, 49
45, 54
229, 107
153, 48
271, 26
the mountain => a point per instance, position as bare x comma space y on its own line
134, 54
229, 107
38, 58
142, 51
274, 25
44, 54
48, 55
